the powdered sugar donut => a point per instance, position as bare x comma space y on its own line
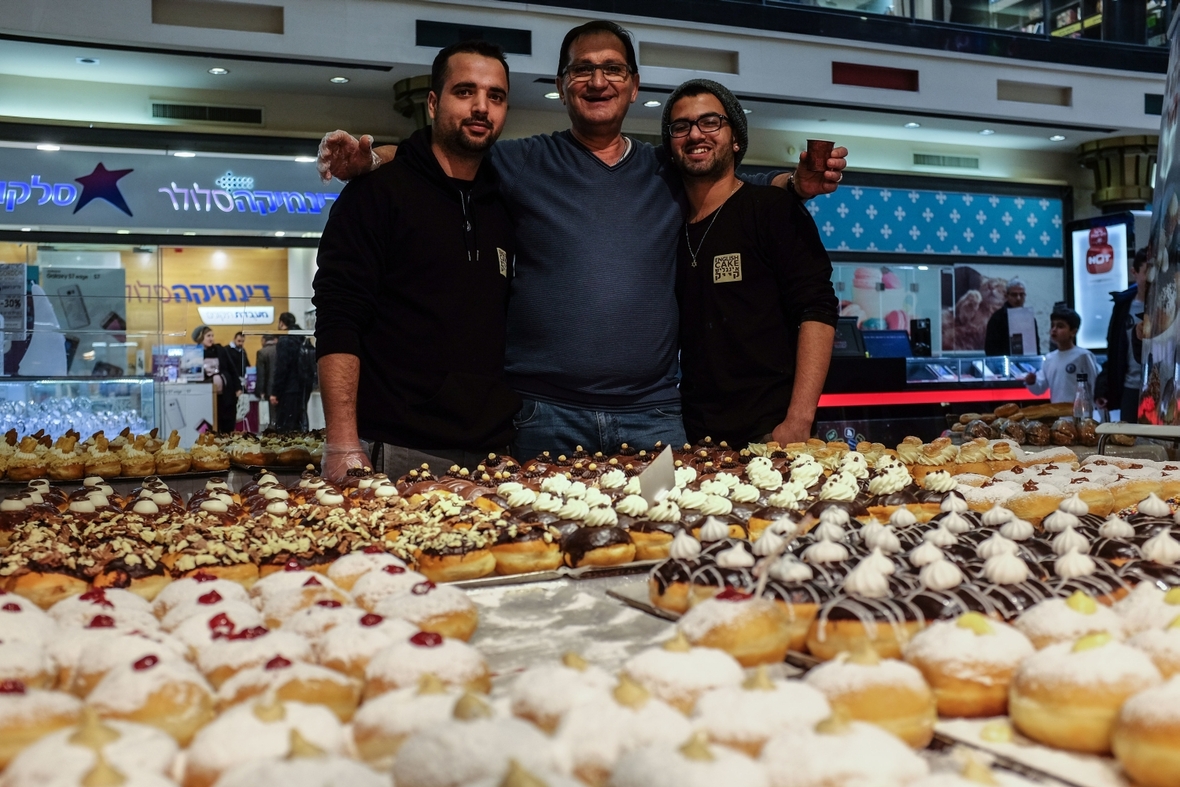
211, 601
969, 663
28, 663
296, 682
1069, 694
280, 605
226, 618
160, 690
443, 609
316, 620
26, 715
188, 589
452, 661
886, 692
291, 577
69, 754
1146, 736
1067, 620
751, 629
127, 609
544, 693
348, 647
745, 717
383, 724
306, 771
225, 657
391, 580
1163, 645
259, 730
693, 764
1148, 607
838, 752
103, 654
347, 569
23, 621
678, 673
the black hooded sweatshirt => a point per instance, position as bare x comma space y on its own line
414, 270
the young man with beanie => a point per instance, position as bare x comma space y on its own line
412, 286
757, 308
1059, 373
592, 320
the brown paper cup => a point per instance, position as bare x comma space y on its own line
818, 153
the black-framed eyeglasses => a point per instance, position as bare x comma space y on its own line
708, 124
584, 72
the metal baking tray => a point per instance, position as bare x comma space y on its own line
585, 572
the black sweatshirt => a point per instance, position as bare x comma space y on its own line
413, 279
761, 270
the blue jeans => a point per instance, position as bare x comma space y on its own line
559, 429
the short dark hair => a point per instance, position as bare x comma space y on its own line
288, 319
1067, 315
597, 26
1139, 260
474, 46
239, 333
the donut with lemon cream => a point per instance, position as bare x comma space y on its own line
819, 757
1146, 735
543, 694
745, 717
1058, 620
678, 673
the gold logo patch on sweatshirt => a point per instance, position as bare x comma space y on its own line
726, 268
503, 256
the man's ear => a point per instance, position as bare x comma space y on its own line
431, 103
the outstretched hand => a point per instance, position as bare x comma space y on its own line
810, 183
343, 156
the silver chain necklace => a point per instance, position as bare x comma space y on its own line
688, 241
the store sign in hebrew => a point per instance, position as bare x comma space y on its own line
153, 191
919, 221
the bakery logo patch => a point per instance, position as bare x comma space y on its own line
726, 268
503, 256
1070, 368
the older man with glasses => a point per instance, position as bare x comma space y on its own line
592, 316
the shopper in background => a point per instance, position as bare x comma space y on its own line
237, 355
757, 307
264, 374
1122, 374
1059, 373
412, 286
292, 382
598, 217
996, 340
219, 372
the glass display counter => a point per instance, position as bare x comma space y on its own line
86, 405
951, 370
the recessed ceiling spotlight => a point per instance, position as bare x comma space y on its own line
218, 71
305, 159
553, 96
49, 148
280, 234
86, 61
184, 154
26, 229
652, 103
339, 80
987, 132
122, 232
190, 233
912, 124
1057, 138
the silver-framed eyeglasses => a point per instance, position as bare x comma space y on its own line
708, 124
584, 72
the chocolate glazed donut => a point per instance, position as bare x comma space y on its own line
597, 546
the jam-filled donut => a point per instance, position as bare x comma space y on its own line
452, 661
28, 714
442, 609
295, 682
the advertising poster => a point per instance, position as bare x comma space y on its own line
971, 294
91, 307
1157, 402
1099, 268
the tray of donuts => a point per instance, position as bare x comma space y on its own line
126, 457
1070, 633
275, 451
1039, 425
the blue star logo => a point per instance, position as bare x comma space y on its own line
103, 184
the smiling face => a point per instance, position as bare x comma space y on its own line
469, 113
701, 154
598, 105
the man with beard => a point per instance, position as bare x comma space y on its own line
592, 321
757, 308
412, 286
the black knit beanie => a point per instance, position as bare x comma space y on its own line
733, 111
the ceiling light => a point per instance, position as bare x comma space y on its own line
49, 148
748, 111
652, 103
339, 80
987, 132
305, 159
218, 71
86, 61
553, 96
280, 234
122, 232
26, 229
184, 154
912, 124
1057, 138
190, 233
